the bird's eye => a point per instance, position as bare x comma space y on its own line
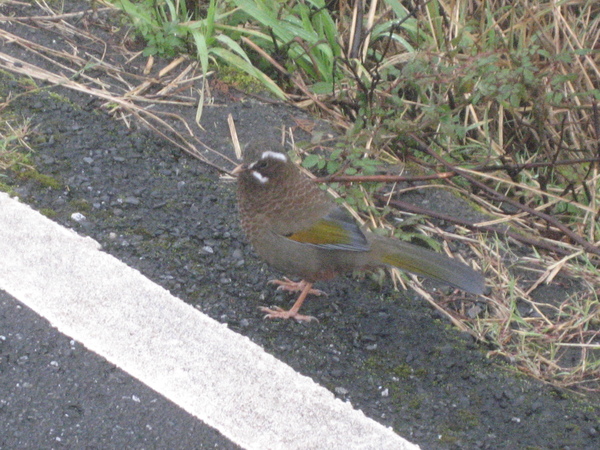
260, 164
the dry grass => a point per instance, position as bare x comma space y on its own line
14, 145
504, 96
125, 95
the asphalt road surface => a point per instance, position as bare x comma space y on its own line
137, 367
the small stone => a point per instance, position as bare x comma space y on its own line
132, 200
341, 391
474, 311
78, 217
336, 373
88, 160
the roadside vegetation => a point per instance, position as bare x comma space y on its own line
495, 101
14, 149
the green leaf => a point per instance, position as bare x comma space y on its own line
332, 166
224, 39
310, 161
201, 50
240, 63
322, 87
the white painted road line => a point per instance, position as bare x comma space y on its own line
213, 373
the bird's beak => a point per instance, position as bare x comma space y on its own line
239, 169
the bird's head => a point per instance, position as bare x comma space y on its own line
263, 166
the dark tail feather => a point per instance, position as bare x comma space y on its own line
421, 261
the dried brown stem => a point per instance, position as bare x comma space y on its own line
404, 206
383, 178
552, 221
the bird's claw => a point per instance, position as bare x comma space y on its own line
294, 286
279, 313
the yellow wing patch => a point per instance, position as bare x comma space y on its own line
333, 235
324, 232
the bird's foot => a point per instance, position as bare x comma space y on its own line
280, 313
294, 286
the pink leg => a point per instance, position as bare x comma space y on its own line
294, 286
279, 313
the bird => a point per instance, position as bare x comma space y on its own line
299, 230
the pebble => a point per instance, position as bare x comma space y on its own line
132, 200
336, 373
77, 217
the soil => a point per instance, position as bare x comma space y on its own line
173, 218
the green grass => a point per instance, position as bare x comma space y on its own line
14, 149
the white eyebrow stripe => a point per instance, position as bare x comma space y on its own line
275, 155
260, 177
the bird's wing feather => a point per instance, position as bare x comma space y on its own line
337, 230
